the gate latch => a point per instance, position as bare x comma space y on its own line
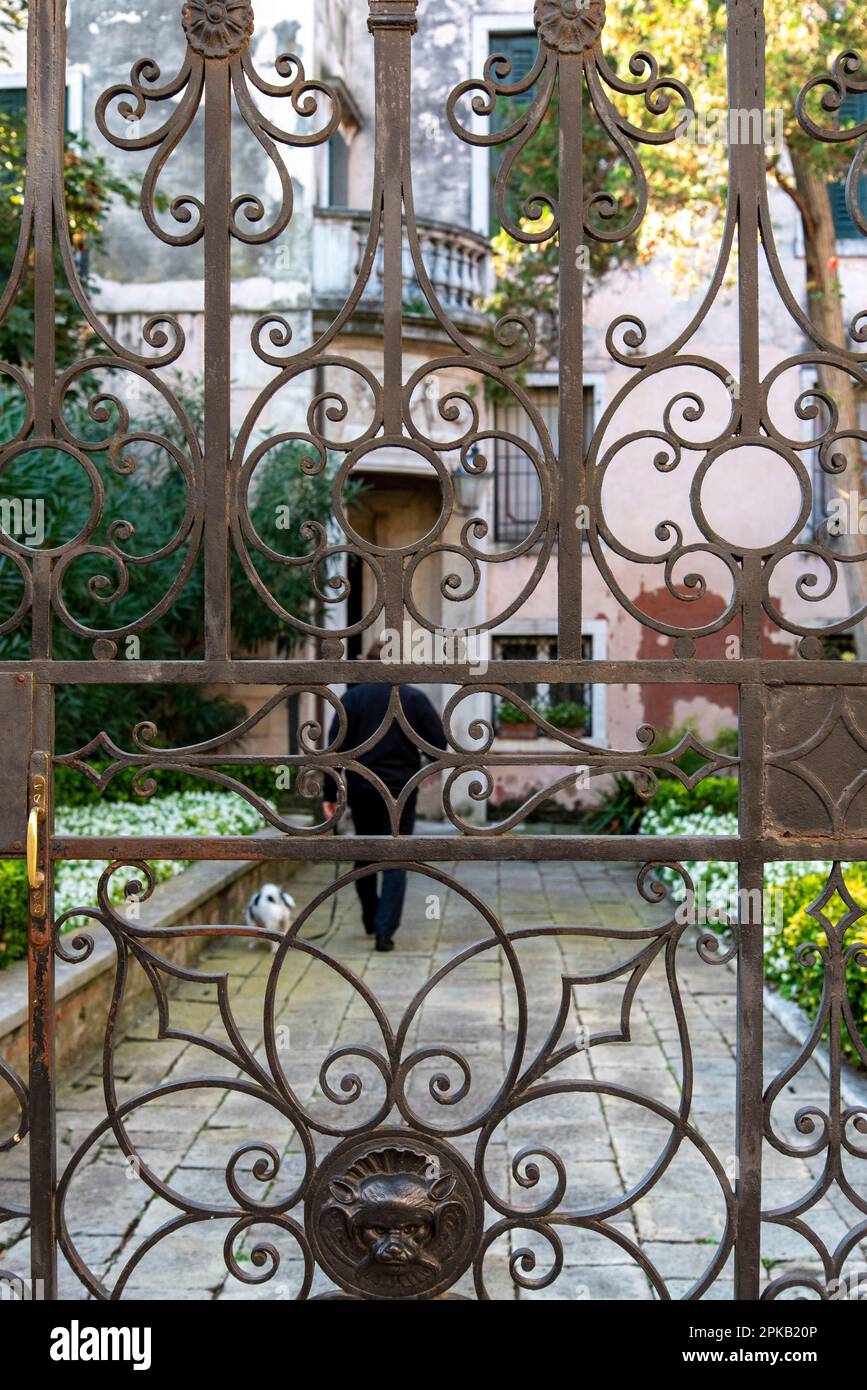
37, 825
35, 876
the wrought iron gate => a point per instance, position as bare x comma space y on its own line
803, 722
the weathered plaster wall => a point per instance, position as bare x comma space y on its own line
137, 274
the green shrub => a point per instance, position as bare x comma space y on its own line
724, 741
620, 810
204, 811
151, 492
72, 788
566, 715
717, 794
788, 925
14, 911
512, 714
801, 981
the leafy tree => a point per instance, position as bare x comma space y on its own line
146, 488
152, 497
530, 272
12, 13
687, 179
90, 185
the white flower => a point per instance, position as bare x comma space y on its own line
720, 880
176, 813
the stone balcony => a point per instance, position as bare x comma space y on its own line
457, 261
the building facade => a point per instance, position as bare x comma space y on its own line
310, 272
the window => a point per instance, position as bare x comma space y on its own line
521, 49
334, 165
539, 693
517, 494
338, 171
13, 98
852, 112
13, 102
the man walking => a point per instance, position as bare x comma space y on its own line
394, 758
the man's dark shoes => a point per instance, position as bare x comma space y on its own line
384, 943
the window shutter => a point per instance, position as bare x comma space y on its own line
521, 49
853, 110
13, 101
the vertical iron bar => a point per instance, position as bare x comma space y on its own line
392, 24
41, 1020
746, 96
218, 329
750, 1004
40, 638
393, 611
746, 79
46, 81
570, 447
46, 86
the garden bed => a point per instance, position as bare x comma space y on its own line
711, 808
206, 893
790, 889
188, 894
202, 812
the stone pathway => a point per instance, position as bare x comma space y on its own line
605, 1143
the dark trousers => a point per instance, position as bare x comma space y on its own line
381, 908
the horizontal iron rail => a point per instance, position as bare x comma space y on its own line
629, 848
708, 671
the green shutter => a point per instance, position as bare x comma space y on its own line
522, 50
13, 104
13, 101
853, 111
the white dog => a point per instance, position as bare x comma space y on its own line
270, 910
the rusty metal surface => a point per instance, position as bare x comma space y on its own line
384, 1161
16, 719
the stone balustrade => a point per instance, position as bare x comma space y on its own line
457, 262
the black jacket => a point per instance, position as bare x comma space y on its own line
394, 758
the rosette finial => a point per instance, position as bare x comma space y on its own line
217, 28
570, 26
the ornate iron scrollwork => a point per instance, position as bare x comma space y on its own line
390, 1191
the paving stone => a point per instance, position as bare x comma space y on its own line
605, 1144
681, 1217
607, 1283
721, 1291
96, 1252
678, 1259
165, 1292
102, 1200
213, 1147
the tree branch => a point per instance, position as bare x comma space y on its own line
793, 192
